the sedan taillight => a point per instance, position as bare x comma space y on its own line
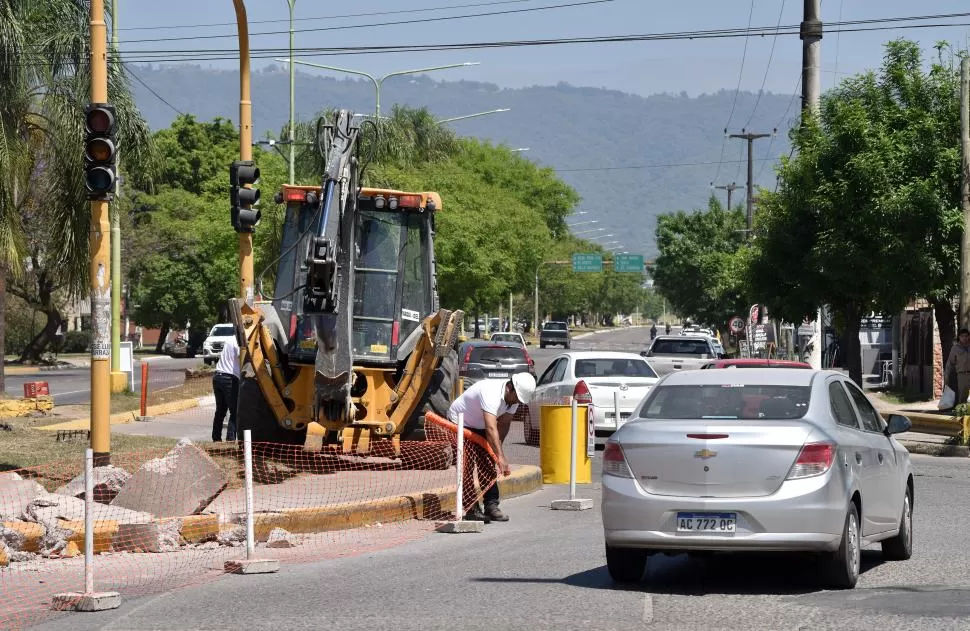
614, 462
814, 459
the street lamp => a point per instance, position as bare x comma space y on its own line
576, 234
521, 149
461, 118
378, 81
600, 236
580, 223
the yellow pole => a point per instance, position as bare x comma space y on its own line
245, 147
100, 265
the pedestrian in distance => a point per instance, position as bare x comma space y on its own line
668, 328
653, 331
489, 406
225, 387
957, 369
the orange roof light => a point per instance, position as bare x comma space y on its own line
294, 195
410, 201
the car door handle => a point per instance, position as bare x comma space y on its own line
880, 458
858, 457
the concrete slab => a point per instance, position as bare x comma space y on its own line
460, 527
152, 537
77, 601
16, 494
183, 482
252, 566
584, 504
51, 506
280, 538
108, 481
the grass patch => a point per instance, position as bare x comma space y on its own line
900, 397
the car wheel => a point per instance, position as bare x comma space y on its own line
531, 433
844, 562
541, 345
900, 547
626, 565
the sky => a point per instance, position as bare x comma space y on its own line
693, 66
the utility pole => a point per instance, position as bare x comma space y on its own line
730, 188
118, 379
750, 137
811, 35
100, 265
292, 135
965, 191
245, 148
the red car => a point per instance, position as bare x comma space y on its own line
755, 363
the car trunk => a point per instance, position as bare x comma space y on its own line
491, 362
602, 389
748, 459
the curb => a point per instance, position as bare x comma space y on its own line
936, 449
426, 505
936, 424
123, 418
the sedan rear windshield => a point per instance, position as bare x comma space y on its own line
498, 337
554, 326
726, 401
608, 367
497, 354
681, 347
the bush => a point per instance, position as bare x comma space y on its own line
76, 342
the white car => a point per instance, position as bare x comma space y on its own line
602, 374
212, 346
514, 338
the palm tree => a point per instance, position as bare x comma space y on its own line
44, 216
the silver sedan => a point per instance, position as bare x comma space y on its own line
765, 459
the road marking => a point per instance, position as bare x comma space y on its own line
648, 608
61, 394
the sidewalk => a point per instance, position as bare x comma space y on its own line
918, 442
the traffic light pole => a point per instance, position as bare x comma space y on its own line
100, 264
245, 147
119, 380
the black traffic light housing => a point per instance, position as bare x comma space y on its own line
100, 151
244, 217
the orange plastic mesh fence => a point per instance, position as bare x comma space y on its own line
168, 518
168, 384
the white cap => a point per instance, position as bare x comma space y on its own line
524, 385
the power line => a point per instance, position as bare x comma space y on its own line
781, 123
328, 17
654, 166
771, 55
394, 23
737, 91
149, 88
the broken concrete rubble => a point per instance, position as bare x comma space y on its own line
51, 506
232, 536
181, 483
108, 481
151, 537
280, 538
15, 494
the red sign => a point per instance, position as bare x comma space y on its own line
753, 316
34, 389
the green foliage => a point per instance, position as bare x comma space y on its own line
75, 342
700, 267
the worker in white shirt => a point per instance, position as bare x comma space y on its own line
489, 406
225, 386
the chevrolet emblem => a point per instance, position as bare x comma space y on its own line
704, 454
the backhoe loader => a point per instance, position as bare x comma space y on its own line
352, 348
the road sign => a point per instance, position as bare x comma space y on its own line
628, 263
736, 324
754, 313
587, 262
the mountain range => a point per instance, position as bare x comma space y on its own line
630, 157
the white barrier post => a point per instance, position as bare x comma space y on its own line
460, 525
250, 565
572, 503
616, 409
88, 600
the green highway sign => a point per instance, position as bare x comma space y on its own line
628, 263
587, 263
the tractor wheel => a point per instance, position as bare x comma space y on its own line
253, 413
436, 399
426, 455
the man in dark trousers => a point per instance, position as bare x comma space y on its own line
225, 386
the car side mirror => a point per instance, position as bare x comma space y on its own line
644, 353
897, 424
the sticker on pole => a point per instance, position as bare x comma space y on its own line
590, 432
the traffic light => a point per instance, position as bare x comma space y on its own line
100, 151
242, 199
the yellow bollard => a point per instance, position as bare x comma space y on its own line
555, 424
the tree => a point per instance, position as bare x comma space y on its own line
698, 263
44, 218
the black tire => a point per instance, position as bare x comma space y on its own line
426, 456
436, 399
900, 547
253, 413
626, 565
843, 564
531, 434
541, 345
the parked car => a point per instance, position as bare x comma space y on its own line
671, 353
597, 375
213, 344
512, 338
765, 459
754, 363
492, 360
554, 334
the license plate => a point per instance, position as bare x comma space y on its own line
707, 522
498, 374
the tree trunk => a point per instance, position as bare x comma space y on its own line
946, 322
3, 325
853, 348
477, 329
43, 339
160, 345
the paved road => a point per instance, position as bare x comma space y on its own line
545, 570
73, 386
